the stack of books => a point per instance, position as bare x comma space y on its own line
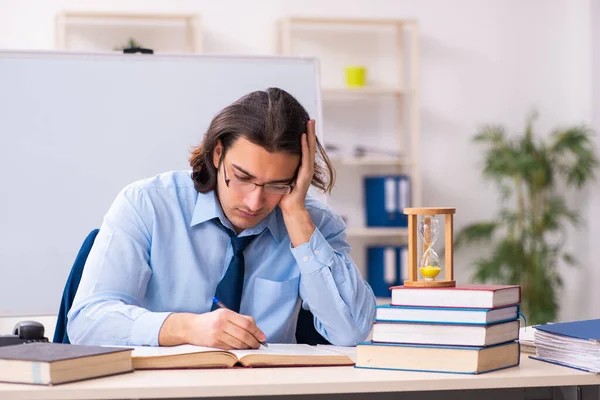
464, 329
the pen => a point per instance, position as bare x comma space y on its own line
220, 304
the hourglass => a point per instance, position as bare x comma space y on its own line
424, 268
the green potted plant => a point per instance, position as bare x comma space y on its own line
526, 238
131, 44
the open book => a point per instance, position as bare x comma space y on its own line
276, 355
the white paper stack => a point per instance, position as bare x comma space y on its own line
561, 346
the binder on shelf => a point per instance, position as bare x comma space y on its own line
386, 267
385, 198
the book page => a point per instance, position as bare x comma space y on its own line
526, 341
151, 351
577, 352
348, 351
283, 349
526, 334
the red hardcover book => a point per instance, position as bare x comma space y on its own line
467, 296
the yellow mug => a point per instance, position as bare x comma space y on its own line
355, 76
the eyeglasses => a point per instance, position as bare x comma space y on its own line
248, 187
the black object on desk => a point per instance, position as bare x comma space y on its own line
24, 332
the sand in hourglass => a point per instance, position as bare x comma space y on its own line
429, 267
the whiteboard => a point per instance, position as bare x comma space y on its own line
76, 128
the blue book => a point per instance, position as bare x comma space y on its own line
437, 358
563, 364
570, 344
444, 315
386, 266
584, 330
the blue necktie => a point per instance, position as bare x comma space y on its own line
229, 290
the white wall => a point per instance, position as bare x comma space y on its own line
594, 214
482, 61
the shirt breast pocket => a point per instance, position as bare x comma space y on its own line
277, 289
274, 305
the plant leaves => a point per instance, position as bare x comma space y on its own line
574, 154
527, 238
478, 232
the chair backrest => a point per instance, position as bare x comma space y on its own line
305, 328
306, 332
60, 332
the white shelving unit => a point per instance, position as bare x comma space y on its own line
366, 91
370, 161
308, 36
383, 114
399, 233
102, 31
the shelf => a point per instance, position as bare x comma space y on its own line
363, 91
108, 31
377, 232
350, 21
371, 161
126, 15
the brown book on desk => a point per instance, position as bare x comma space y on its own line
54, 363
427, 358
276, 355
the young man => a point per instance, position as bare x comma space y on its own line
240, 227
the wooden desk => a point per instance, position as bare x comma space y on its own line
301, 381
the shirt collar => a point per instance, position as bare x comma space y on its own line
207, 207
275, 224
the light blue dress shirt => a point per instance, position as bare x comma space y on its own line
160, 251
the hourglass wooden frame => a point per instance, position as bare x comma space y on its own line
413, 256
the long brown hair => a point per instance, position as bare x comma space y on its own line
272, 119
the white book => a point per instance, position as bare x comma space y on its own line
446, 334
462, 296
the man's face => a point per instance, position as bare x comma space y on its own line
244, 205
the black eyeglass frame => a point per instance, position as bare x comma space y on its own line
265, 186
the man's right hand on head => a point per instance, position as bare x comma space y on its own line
222, 328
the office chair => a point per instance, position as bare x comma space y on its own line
60, 332
305, 328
